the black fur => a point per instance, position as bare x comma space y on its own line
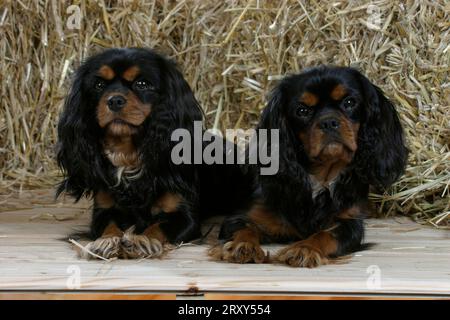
88, 171
380, 159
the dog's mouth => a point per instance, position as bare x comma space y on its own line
118, 112
120, 127
332, 149
332, 157
337, 143
119, 121
335, 148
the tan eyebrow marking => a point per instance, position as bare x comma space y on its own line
106, 72
104, 200
338, 92
309, 99
131, 73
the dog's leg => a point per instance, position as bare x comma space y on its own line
244, 233
104, 228
244, 247
345, 237
311, 252
175, 222
148, 244
107, 245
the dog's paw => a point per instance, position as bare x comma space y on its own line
137, 246
238, 252
108, 248
298, 255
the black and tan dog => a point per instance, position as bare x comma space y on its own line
115, 145
338, 135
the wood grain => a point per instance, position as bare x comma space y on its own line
412, 260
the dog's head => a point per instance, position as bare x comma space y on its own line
333, 117
121, 110
123, 92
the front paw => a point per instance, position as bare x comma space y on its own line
108, 248
136, 246
298, 255
238, 252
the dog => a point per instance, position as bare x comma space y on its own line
338, 135
114, 145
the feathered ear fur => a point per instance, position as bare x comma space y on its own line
291, 181
180, 98
273, 117
177, 108
78, 149
382, 154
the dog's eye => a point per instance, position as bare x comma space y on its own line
303, 111
349, 103
142, 85
100, 85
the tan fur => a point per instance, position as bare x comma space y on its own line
112, 230
315, 138
326, 172
134, 112
131, 73
168, 202
154, 231
338, 92
329, 159
106, 72
311, 252
140, 246
300, 256
103, 200
269, 223
118, 143
349, 132
351, 213
244, 248
121, 151
107, 246
309, 99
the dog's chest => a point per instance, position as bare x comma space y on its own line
318, 187
121, 152
124, 156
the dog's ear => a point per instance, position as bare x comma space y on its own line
179, 97
291, 175
382, 154
177, 109
274, 117
78, 152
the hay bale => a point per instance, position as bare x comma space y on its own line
232, 52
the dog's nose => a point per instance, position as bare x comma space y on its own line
329, 124
115, 103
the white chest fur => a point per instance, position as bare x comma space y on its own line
317, 187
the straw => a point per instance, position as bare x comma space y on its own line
232, 53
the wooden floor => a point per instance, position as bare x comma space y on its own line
407, 260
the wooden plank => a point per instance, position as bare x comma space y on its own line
66, 295
84, 296
410, 258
